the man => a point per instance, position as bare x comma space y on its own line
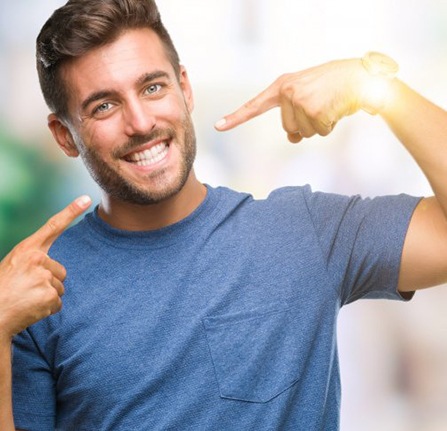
188, 307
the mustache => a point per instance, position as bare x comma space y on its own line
137, 140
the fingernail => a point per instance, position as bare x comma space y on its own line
221, 123
84, 201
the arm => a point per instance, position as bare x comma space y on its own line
422, 128
6, 418
314, 100
31, 284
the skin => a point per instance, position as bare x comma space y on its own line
129, 112
31, 286
126, 98
314, 100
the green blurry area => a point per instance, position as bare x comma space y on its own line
30, 188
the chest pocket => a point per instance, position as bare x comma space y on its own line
256, 355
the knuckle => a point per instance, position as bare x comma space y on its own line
289, 83
315, 112
283, 79
73, 210
59, 287
63, 273
286, 89
57, 306
37, 257
39, 281
47, 276
20, 248
53, 224
14, 259
250, 105
51, 296
291, 128
307, 132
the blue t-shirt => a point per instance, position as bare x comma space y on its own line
223, 321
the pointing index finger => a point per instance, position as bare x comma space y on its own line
50, 231
263, 102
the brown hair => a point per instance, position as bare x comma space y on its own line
81, 25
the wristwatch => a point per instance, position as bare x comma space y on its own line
376, 89
380, 64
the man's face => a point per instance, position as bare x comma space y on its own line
130, 118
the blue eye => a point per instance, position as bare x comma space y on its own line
154, 88
103, 107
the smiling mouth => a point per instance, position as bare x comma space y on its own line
149, 156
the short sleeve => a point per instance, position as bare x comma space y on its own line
33, 386
361, 240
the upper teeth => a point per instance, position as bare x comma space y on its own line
152, 155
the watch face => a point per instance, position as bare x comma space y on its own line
377, 63
375, 91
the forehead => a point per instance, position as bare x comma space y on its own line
117, 64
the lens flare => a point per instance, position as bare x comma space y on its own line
376, 92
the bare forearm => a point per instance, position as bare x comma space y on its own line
314, 100
421, 126
6, 417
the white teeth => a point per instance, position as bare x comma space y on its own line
151, 156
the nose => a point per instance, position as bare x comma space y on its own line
138, 118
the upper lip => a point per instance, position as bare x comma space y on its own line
144, 147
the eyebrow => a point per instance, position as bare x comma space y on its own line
104, 94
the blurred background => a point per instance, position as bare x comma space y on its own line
393, 355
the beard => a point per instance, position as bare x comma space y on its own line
118, 187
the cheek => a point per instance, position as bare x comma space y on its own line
172, 108
99, 137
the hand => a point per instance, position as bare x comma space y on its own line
311, 101
31, 283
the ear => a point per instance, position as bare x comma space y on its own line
186, 88
62, 135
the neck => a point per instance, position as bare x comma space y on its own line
133, 217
